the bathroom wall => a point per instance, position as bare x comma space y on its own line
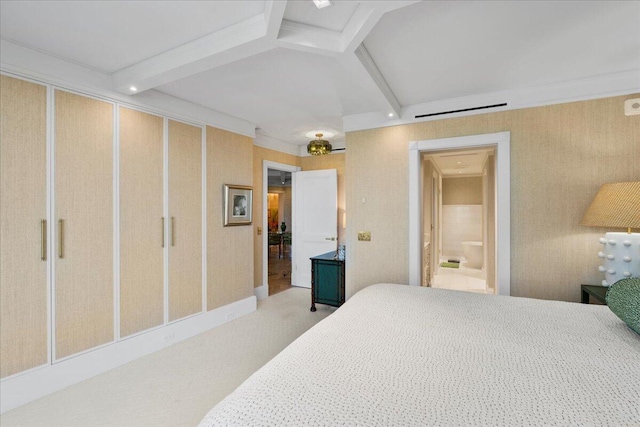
460, 223
462, 191
461, 213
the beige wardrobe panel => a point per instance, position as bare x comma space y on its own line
23, 205
141, 210
84, 201
185, 220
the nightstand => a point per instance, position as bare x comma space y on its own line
596, 291
327, 280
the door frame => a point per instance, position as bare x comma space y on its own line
501, 141
266, 165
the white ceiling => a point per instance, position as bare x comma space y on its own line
460, 162
289, 68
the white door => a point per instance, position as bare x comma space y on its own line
315, 220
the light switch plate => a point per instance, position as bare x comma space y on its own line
632, 107
364, 236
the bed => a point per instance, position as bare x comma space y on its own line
396, 355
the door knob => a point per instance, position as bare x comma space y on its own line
330, 238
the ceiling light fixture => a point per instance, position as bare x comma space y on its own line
318, 146
322, 3
390, 114
133, 89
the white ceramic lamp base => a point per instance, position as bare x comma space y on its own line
620, 257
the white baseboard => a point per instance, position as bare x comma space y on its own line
261, 292
36, 383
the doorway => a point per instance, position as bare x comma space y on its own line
500, 142
459, 219
277, 223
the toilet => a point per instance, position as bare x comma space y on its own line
473, 253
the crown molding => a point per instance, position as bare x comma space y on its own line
603, 86
265, 141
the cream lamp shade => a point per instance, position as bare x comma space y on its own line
617, 205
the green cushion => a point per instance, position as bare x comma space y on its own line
623, 298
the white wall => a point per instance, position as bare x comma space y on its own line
460, 223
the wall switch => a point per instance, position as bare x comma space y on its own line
364, 236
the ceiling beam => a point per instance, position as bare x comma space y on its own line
273, 15
262, 33
369, 65
250, 37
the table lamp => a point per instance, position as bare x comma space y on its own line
617, 205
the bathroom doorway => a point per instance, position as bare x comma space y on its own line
500, 142
459, 220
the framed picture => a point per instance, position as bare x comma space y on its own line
238, 205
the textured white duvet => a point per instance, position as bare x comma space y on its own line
396, 355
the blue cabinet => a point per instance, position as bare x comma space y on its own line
327, 280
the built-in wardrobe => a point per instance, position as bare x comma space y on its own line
101, 214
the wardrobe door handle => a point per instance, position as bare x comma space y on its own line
61, 238
173, 231
43, 240
163, 232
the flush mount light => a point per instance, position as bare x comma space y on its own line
322, 3
390, 114
133, 89
319, 146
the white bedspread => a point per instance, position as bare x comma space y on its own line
396, 355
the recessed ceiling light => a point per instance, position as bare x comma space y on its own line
322, 3
133, 89
390, 114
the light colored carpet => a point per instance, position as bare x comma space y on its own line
178, 385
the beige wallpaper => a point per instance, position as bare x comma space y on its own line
259, 155
141, 233
23, 204
462, 191
84, 201
560, 155
229, 254
185, 219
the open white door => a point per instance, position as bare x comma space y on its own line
315, 220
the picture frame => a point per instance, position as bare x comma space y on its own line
238, 205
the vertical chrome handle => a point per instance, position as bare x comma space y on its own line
43, 240
163, 232
61, 238
173, 228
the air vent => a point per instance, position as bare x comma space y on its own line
485, 107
